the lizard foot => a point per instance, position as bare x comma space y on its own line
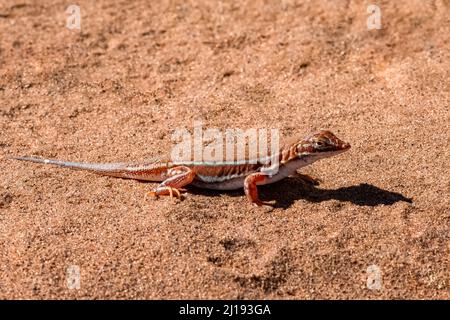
167, 191
267, 206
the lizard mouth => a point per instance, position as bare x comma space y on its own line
345, 146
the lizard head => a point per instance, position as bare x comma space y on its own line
322, 144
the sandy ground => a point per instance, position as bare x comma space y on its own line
137, 70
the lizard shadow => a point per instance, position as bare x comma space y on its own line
287, 191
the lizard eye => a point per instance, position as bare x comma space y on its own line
320, 144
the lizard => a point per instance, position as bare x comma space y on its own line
174, 176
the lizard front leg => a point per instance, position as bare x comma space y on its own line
251, 190
178, 178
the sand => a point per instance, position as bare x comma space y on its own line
116, 90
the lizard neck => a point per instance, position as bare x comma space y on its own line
287, 154
288, 162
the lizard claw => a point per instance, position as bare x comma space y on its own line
166, 191
176, 191
267, 206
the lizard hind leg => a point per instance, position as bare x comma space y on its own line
178, 177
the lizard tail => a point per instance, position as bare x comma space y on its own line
110, 169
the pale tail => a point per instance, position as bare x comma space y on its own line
112, 169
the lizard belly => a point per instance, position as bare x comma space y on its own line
237, 182
232, 184
284, 171
223, 177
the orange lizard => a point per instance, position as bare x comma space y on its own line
295, 154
